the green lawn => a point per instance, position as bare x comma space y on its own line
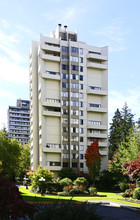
29, 196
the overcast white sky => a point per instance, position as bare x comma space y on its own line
112, 23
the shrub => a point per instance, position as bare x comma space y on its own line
65, 182
126, 193
92, 190
67, 173
106, 180
67, 211
77, 190
81, 181
136, 193
123, 186
38, 186
12, 205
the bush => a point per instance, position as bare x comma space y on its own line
12, 205
67, 173
67, 211
136, 193
65, 182
38, 186
126, 193
77, 191
106, 180
81, 181
93, 191
123, 186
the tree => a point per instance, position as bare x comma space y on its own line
93, 160
121, 125
24, 159
10, 152
132, 169
115, 137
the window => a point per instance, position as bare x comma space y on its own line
65, 138
74, 130
65, 147
74, 50
81, 104
64, 85
81, 86
74, 76
81, 113
81, 165
65, 120
81, 121
81, 139
81, 59
64, 94
93, 52
74, 121
81, 130
65, 156
81, 156
74, 112
64, 76
81, 147
74, 103
74, 67
74, 59
81, 95
65, 129
94, 105
65, 103
81, 68
74, 156
65, 49
74, 94
81, 78
95, 88
74, 147
65, 164
81, 51
74, 85
74, 138
74, 164
65, 111
65, 67
94, 122
64, 57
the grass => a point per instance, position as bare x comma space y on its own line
30, 196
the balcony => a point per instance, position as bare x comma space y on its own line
51, 48
100, 127
96, 65
51, 57
52, 148
96, 92
96, 56
49, 75
52, 102
101, 144
96, 135
95, 109
103, 152
53, 165
51, 113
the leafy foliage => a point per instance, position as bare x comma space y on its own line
65, 182
92, 190
67, 172
93, 160
132, 168
24, 159
120, 127
37, 185
11, 202
136, 193
10, 153
81, 181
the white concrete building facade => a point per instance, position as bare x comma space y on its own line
69, 100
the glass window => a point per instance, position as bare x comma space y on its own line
65, 147
81, 50
64, 85
74, 103
81, 165
81, 95
65, 156
81, 156
74, 67
74, 112
81, 104
65, 120
65, 102
74, 130
74, 164
64, 94
65, 129
81, 68
74, 138
64, 57
64, 76
65, 111
81, 113
74, 121
74, 147
81, 147
81, 86
74, 50
74, 59
65, 67
81, 59
75, 94
81, 139
74, 76
74, 156
81, 121
81, 130
94, 105
74, 85
65, 138
65, 49
81, 77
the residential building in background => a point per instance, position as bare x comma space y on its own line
69, 101
19, 121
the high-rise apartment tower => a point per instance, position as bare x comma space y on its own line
19, 121
69, 100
